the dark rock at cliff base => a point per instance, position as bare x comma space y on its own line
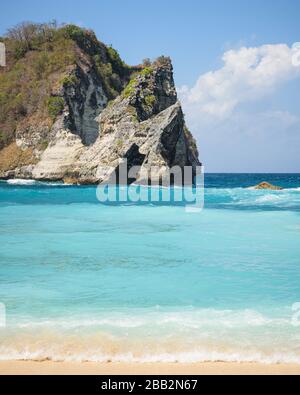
266, 185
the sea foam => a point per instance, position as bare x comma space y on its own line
21, 182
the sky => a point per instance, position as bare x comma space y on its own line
236, 67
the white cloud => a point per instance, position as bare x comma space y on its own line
230, 112
248, 74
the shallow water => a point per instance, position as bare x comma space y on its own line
139, 282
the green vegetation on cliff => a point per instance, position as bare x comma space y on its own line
40, 60
55, 106
35, 64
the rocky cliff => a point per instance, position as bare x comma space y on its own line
98, 112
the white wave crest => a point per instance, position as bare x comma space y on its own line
157, 335
21, 182
10, 354
194, 318
268, 199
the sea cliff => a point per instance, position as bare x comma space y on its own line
71, 109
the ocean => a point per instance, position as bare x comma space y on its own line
84, 281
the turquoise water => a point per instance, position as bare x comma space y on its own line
144, 282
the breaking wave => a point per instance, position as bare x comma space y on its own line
156, 335
21, 182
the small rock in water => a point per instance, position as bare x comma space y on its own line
266, 185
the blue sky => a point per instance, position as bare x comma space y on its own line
249, 122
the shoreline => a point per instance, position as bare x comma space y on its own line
93, 368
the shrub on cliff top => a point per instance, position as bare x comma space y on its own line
85, 39
163, 61
147, 62
74, 32
146, 71
27, 36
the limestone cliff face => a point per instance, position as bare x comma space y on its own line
93, 134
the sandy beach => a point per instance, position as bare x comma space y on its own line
219, 368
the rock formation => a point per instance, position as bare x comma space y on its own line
95, 130
266, 185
